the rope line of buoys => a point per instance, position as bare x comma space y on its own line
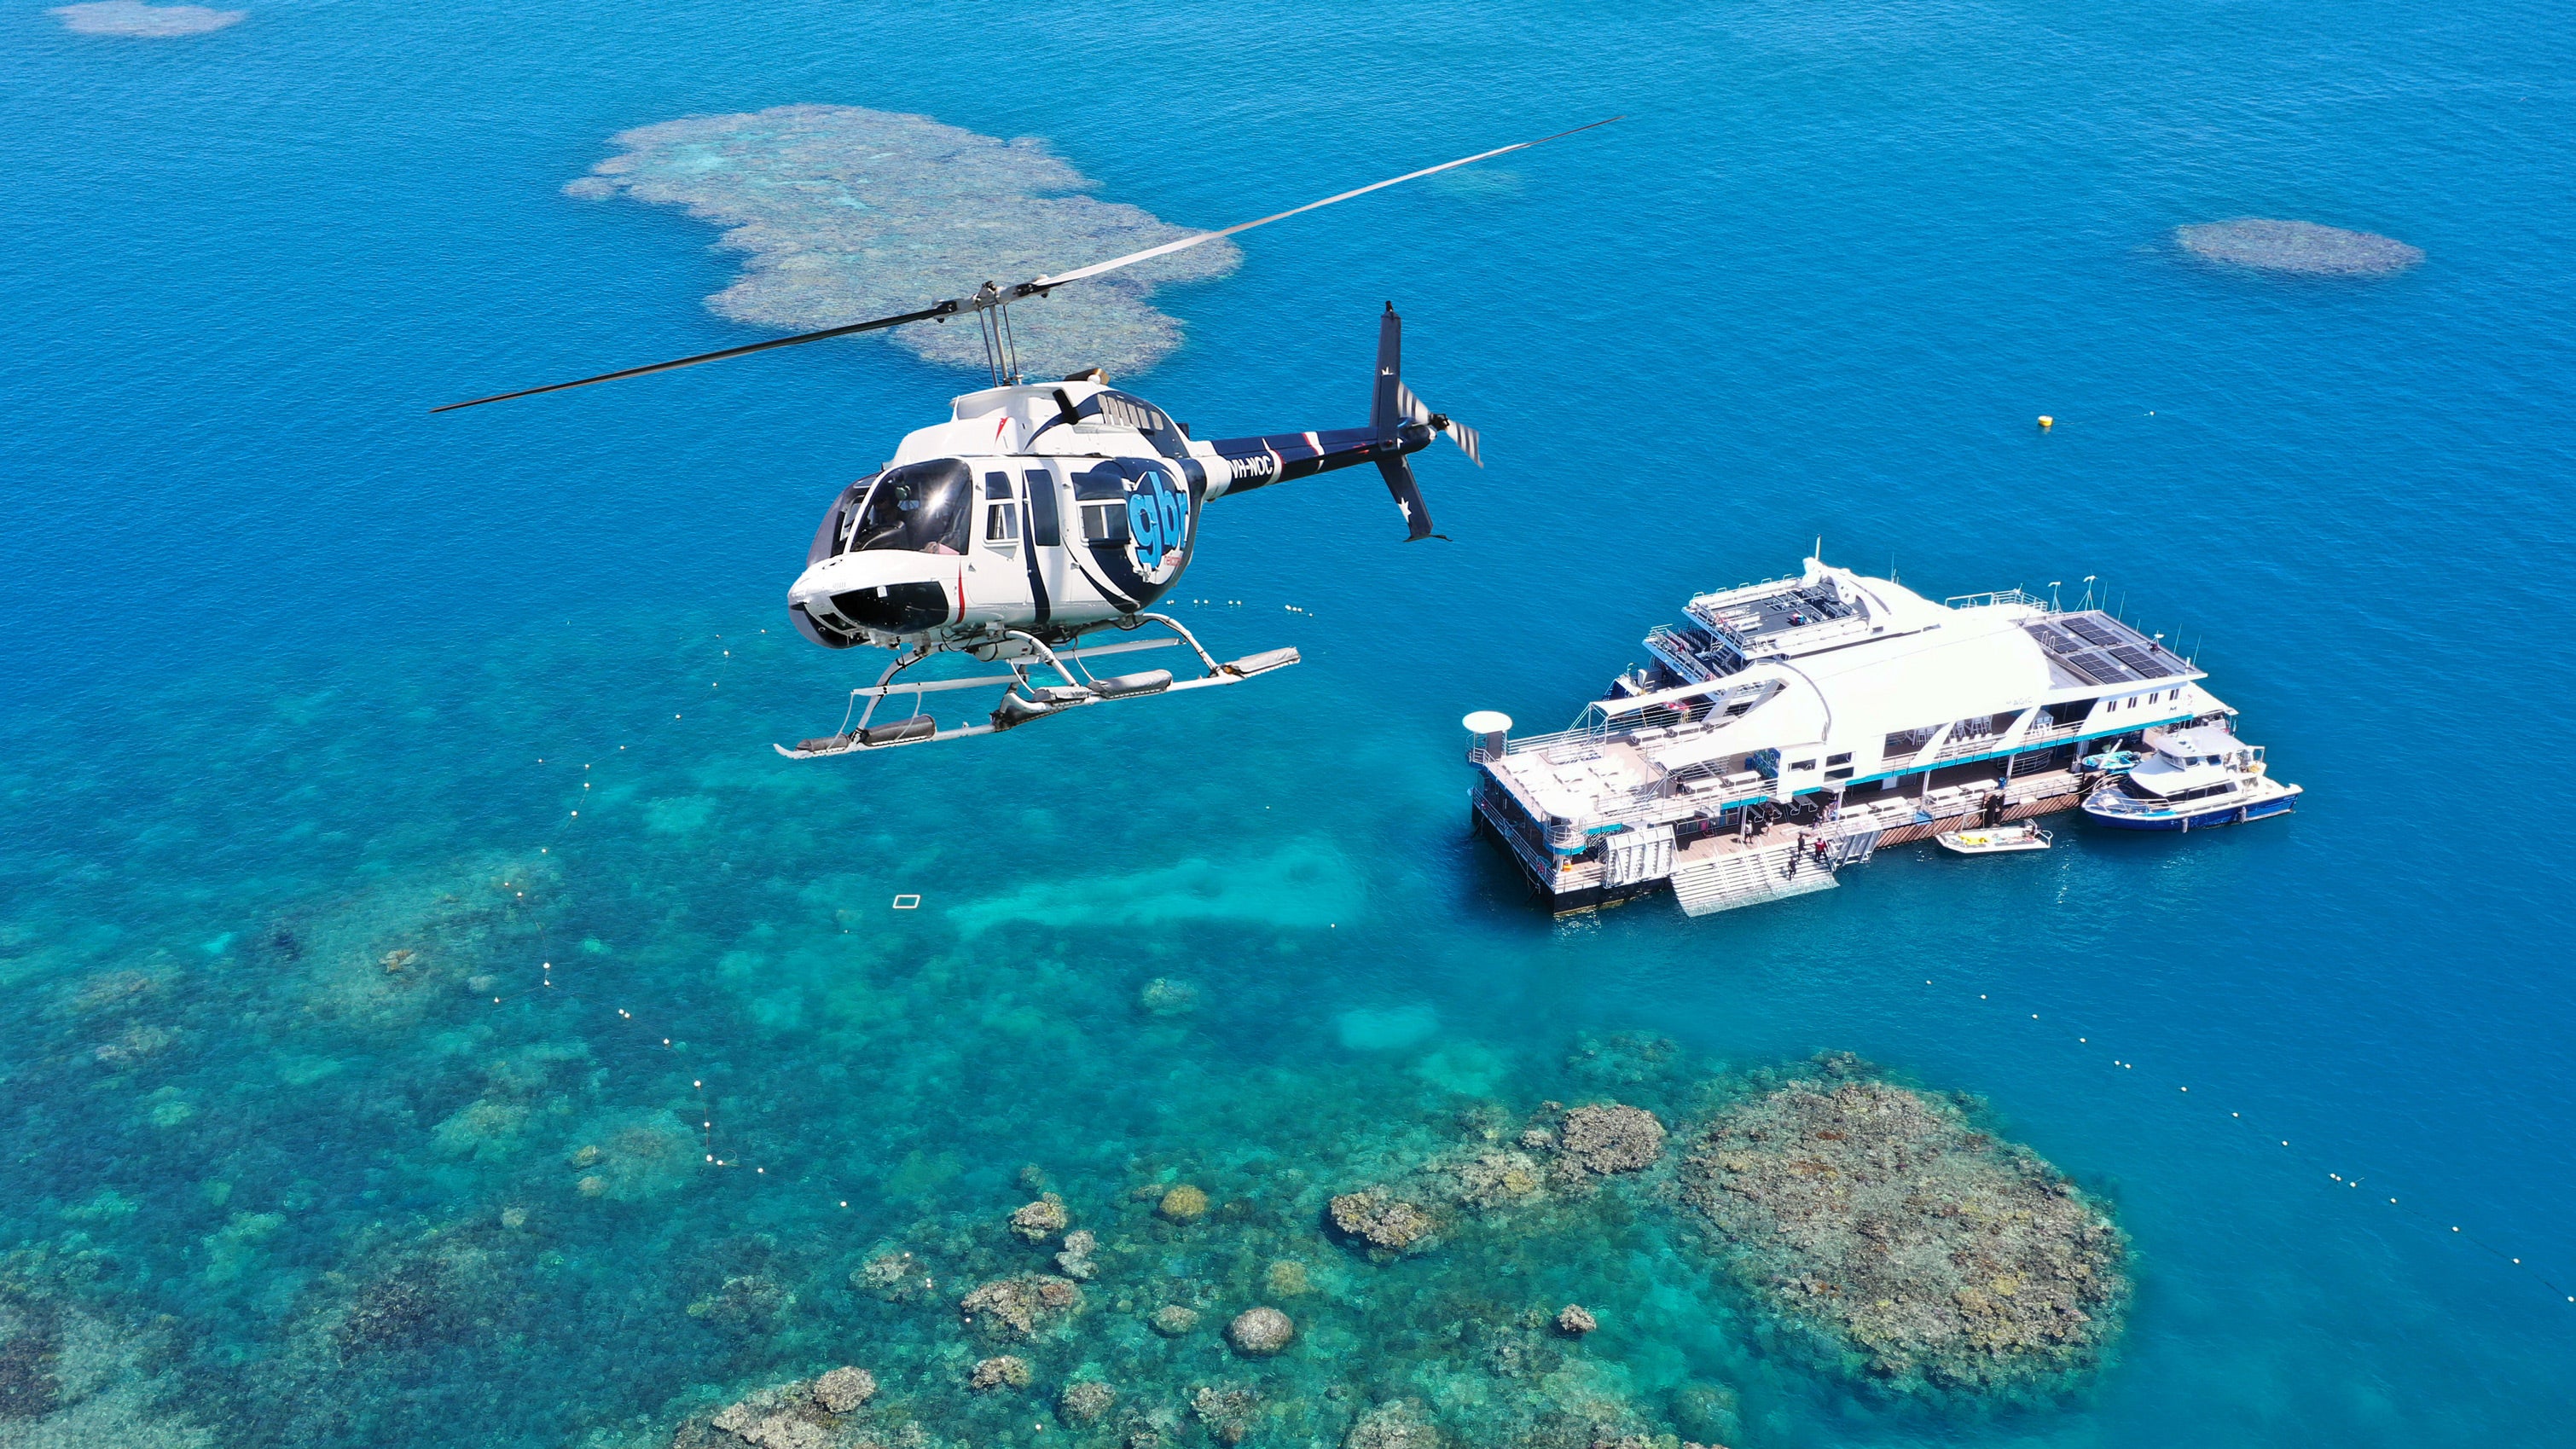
2318, 1166
710, 1137
546, 984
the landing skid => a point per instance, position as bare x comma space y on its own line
1022, 700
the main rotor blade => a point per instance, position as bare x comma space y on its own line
1185, 243
992, 297
925, 314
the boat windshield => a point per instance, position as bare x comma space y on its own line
2152, 796
920, 508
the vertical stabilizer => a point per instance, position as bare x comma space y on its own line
1386, 399
1387, 416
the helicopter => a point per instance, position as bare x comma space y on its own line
1039, 514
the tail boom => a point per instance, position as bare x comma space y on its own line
1393, 432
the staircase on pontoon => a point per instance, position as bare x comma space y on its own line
1735, 878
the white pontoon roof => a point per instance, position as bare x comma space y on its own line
1950, 664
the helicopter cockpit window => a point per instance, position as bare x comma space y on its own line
920, 507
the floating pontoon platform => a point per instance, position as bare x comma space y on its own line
1789, 729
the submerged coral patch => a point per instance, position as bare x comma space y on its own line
848, 214
1366, 1029
144, 22
635, 1155
2297, 246
1303, 883
1878, 1218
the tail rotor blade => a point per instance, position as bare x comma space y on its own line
1465, 437
1459, 433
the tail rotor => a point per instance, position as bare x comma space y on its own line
1392, 405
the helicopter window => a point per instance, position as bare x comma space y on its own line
1001, 515
1104, 522
1044, 530
920, 507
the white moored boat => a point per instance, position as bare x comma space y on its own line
1993, 839
2196, 778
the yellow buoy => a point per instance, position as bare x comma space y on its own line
2046, 422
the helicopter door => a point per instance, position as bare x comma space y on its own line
1053, 584
1004, 583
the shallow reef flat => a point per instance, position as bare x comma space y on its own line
847, 214
2301, 247
637, 1132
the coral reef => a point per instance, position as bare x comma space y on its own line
75, 1377
895, 1276
2297, 246
1040, 1220
1383, 1223
633, 1156
1164, 996
1225, 1410
1608, 1138
1020, 1306
1442, 1243
747, 1303
847, 214
844, 1389
1075, 1259
393, 954
1084, 1401
1879, 1218
1260, 1331
1399, 1425
822, 1414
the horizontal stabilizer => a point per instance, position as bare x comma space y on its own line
1408, 497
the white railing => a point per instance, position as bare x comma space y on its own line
1997, 596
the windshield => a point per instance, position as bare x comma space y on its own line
921, 507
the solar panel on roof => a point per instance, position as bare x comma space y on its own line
2098, 667
2093, 633
2138, 660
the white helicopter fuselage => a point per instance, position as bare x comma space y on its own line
1043, 510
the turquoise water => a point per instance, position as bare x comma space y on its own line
299, 677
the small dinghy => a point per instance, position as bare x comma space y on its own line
1993, 839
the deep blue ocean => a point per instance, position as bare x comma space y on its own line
297, 678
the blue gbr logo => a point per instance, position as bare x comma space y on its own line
1158, 519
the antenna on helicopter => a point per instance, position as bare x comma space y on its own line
992, 297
